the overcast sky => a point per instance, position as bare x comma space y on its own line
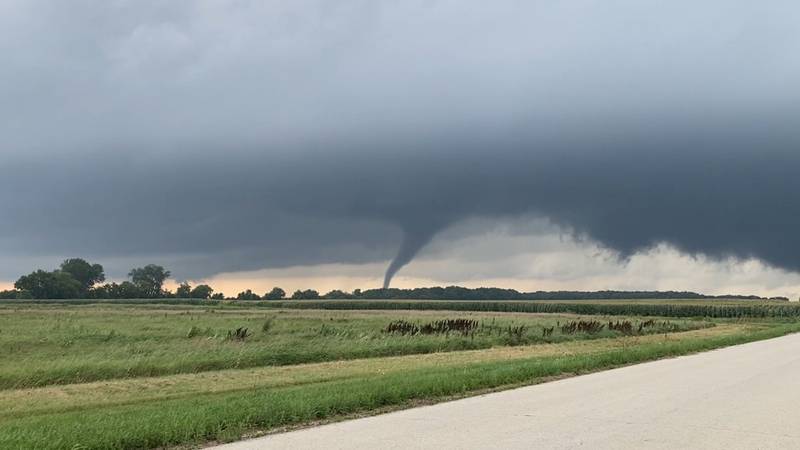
530, 144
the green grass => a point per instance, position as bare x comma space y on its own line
155, 375
44, 345
225, 416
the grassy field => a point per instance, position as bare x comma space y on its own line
145, 376
45, 345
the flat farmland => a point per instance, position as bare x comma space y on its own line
56, 345
148, 375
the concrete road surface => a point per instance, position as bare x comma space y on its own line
743, 397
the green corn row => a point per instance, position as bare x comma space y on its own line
593, 308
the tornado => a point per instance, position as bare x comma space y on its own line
413, 241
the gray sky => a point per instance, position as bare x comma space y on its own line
230, 136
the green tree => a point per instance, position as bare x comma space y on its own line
337, 294
10, 294
308, 294
201, 291
218, 296
149, 280
247, 295
57, 284
126, 289
100, 291
183, 291
275, 294
86, 274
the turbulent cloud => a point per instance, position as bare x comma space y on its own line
229, 136
529, 255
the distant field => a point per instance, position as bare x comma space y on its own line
720, 308
716, 308
154, 375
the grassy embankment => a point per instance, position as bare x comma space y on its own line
128, 410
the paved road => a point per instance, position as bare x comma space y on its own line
744, 397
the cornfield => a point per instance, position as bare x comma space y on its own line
588, 308
670, 308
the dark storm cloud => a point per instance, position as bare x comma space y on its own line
233, 136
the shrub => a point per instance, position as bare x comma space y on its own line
582, 326
401, 327
194, 331
239, 334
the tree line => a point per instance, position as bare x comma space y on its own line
76, 278
491, 293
